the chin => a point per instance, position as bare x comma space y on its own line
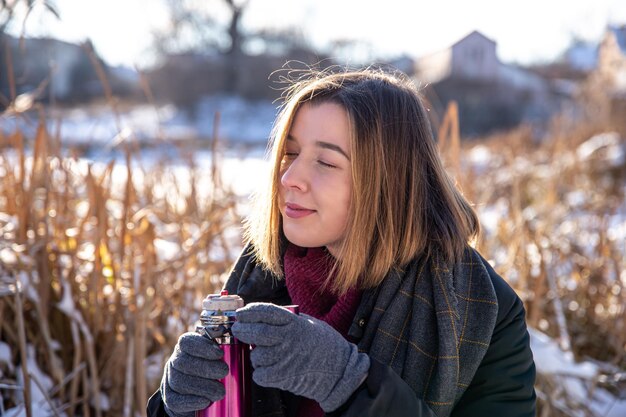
302, 241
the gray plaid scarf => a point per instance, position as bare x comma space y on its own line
431, 323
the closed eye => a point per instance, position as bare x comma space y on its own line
325, 164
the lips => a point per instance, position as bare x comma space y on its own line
295, 211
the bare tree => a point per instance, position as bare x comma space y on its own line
234, 31
212, 30
196, 29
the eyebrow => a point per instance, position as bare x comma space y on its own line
324, 145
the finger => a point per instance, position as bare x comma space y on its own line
265, 313
185, 384
191, 365
259, 334
267, 377
262, 356
181, 403
308, 324
199, 346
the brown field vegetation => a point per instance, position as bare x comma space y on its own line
87, 295
556, 211
83, 290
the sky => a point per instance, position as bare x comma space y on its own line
526, 32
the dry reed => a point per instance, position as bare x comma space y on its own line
86, 290
555, 210
88, 293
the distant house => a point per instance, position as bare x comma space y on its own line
612, 60
473, 57
38, 59
64, 69
491, 95
569, 70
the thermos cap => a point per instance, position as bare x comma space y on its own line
222, 301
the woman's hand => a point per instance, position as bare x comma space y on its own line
300, 354
191, 376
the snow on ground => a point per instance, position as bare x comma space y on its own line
576, 378
241, 173
40, 384
240, 121
5, 356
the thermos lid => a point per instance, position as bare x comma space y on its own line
222, 302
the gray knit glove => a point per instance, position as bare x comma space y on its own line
300, 354
191, 376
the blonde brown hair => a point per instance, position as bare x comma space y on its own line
404, 204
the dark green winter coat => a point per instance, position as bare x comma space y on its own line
501, 384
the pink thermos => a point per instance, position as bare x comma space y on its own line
216, 320
218, 315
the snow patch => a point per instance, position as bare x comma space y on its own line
166, 250
5, 355
578, 379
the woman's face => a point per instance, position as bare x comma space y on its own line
316, 179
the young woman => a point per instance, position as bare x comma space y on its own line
362, 227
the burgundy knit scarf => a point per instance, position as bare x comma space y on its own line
306, 270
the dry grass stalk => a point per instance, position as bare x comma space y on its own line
102, 296
19, 309
449, 138
553, 239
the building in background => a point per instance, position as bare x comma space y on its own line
473, 58
52, 69
491, 95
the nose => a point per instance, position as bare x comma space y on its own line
294, 176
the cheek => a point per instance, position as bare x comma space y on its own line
343, 199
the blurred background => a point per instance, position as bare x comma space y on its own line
133, 132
